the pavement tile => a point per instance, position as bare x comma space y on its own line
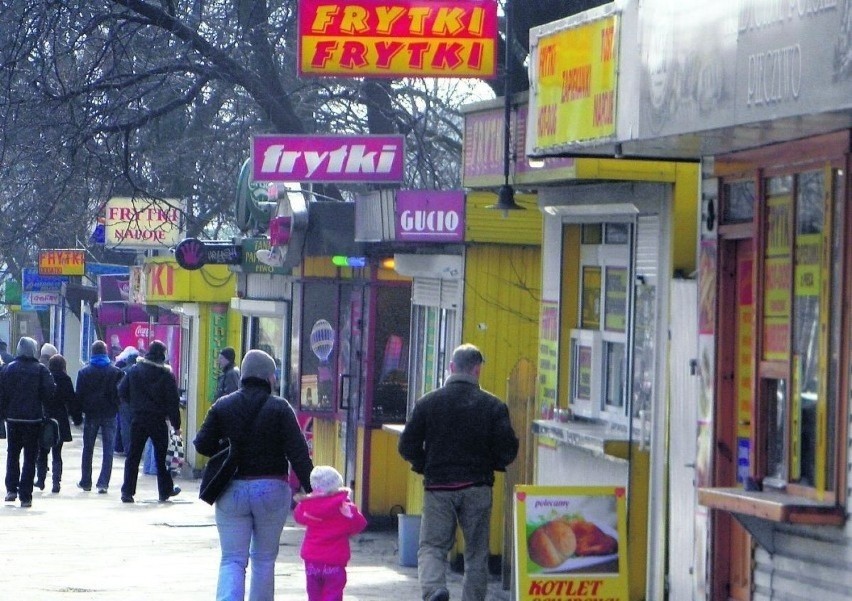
76, 545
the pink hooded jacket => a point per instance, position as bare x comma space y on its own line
327, 527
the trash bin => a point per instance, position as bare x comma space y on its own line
409, 539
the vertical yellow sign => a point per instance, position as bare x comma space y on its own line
574, 84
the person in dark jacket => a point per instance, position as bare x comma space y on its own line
97, 389
229, 380
58, 408
251, 511
152, 392
5, 356
26, 387
457, 436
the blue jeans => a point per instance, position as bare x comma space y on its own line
250, 516
471, 508
91, 425
122, 438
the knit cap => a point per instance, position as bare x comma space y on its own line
257, 364
229, 354
27, 347
156, 352
325, 479
48, 350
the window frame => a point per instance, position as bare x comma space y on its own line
813, 500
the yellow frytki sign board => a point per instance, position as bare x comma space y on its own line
574, 85
62, 261
570, 543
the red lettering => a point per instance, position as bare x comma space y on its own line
323, 53
604, 112
354, 55
447, 55
546, 124
386, 51
416, 52
607, 45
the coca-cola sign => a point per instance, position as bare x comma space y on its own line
430, 216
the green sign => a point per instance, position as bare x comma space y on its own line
250, 262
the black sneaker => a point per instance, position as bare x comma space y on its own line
55, 488
86, 488
11, 497
175, 492
39, 484
126, 499
28, 503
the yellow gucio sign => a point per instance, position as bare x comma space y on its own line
573, 85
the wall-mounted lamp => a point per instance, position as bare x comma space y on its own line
506, 194
535, 163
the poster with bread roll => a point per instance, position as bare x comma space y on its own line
570, 543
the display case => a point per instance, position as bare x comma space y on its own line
586, 364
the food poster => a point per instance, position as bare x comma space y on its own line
570, 543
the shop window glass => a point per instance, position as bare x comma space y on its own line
802, 287
617, 233
614, 374
592, 233
320, 340
268, 336
738, 202
590, 311
390, 386
615, 303
644, 347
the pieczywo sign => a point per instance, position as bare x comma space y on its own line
398, 38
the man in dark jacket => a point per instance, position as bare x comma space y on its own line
26, 386
152, 392
229, 380
457, 437
97, 393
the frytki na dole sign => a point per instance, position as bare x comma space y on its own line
415, 38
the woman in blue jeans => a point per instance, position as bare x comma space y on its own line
251, 512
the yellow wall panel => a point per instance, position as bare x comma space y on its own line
488, 225
388, 474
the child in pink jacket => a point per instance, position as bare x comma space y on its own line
330, 519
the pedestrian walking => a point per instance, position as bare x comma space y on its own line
457, 436
26, 387
124, 361
97, 389
229, 378
152, 392
251, 511
64, 401
5, 356
330, 518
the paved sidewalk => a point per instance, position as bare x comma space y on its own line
87, 546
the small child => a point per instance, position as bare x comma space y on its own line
330, 519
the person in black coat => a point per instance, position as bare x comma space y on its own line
26, 386
58, 408
150, 388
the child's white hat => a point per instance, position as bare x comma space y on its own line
325, 479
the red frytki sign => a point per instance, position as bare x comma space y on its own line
416, 38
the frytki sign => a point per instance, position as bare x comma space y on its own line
329, 159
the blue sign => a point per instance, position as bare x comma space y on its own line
33, 282
96, 269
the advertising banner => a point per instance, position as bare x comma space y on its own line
430, 216
143, 223
483, 151
67, 261
399, 38
573, 79
34, 282
140, 334
570, 543
338, 159
114, 288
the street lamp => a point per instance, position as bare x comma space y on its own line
506, 193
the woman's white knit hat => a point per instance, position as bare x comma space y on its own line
325, 479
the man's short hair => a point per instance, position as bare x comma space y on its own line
466, 357
99, 347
